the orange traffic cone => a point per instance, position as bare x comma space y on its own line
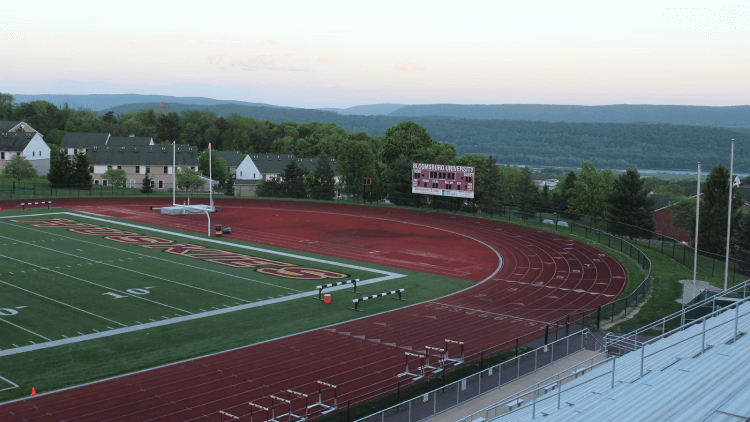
33, 391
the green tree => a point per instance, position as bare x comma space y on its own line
39, 114
146, 186
629, 203
219, 169
713, 212
188, 179
565, 191
269, 188
168, 127
590, 192
6, 106
60, 169
81, 176
229, 185
407, 139
115, 177
322, 182
356, 160
19, 168
293, 180
396, 179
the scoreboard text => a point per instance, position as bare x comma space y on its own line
443, 180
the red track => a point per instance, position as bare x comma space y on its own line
543, 278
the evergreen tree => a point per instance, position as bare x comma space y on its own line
397, 180
82, 171
229, 185
322, 181
60, 169
713, 218
629, 203
146, 185
565, 192
268, 188
293, 180
590, 192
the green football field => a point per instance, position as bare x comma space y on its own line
85, 297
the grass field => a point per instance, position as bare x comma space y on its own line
80, 301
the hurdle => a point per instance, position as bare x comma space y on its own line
298, 394
283, 400
24, 204
223, 413
253, 405
421, 366
441, 361
325, 286
327, 408
457, 361
356, 301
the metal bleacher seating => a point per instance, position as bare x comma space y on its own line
699, 371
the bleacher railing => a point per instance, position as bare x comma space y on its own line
621, 344
538, 393
493, 377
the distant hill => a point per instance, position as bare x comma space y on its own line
536, 143
104, 101
367, 110
735, 116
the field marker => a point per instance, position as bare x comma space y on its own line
65, 336
95, 284
95, 330
62, 303
18, 326
79, 332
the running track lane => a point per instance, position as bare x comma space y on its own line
544, 278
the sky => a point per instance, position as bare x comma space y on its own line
346, 53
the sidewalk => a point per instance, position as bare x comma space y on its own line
465, 409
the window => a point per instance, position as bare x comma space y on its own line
161, 184
104, 182
2, 157
241, 176
119, 167
96, 181
40, 153
152, 183
166, 170
33, 154
109, 167
148, 169
137, 169
193, 169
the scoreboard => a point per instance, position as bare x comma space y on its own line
443, 180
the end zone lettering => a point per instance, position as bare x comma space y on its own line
301, 273
217, 256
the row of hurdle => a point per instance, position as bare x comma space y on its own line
291, 395
424, 359
356, 302
28, 204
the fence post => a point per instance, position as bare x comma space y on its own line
546, 334
598, 316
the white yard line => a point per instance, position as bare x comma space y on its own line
29, 331
14, 385
92, 283
62, 303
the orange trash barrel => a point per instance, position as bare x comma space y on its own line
327, 299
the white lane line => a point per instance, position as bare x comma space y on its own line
62, 303
491, 313
18, 326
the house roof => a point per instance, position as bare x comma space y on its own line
84, 140
275, 163
233, 158
15, 141
142, 156
118, 141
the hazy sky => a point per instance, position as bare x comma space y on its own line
344, 53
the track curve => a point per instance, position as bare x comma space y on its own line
543, 278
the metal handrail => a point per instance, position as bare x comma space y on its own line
630, 339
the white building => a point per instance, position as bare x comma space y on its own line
30, 145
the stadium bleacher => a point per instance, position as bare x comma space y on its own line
698, 371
